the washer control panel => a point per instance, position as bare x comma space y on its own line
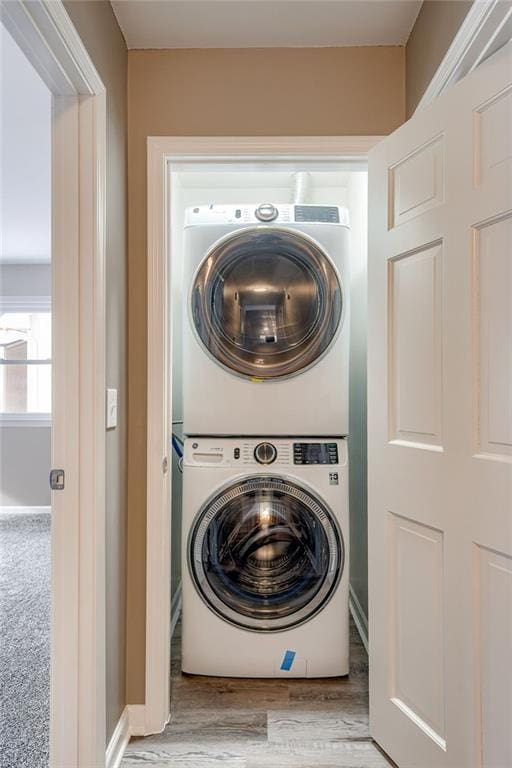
255, 452
258, 213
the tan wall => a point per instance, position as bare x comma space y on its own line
305, 91
98, 28
437, 24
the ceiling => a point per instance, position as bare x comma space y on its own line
25, 192
264, 23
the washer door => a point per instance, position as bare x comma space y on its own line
265, 554
266, 302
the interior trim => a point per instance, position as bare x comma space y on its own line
359, 616
137, 719
46, 35
176, 604
119, 741
163, 151
25, 303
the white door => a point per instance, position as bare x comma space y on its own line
440, 429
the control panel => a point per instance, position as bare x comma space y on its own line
329, 214
259, 452
258, 213
315, 453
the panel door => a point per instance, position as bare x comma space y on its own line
440, 429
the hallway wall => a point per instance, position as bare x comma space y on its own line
98, 28
293, 91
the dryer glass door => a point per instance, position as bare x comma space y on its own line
265, 554
266, 302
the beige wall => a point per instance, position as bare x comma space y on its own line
437, 24
305, 91
98, 28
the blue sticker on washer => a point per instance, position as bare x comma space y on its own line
288, 659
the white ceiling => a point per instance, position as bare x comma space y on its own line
25, 211
264, 23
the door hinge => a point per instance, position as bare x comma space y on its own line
165, 464
57, 479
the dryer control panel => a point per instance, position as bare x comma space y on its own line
315, 453
258, 213
265, 453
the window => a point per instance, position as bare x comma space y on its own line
25, 364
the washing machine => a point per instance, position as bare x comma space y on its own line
266, 320
265, 557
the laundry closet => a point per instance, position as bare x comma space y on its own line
267, 382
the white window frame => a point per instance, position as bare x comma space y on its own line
26, 304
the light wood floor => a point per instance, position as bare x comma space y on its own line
231, 723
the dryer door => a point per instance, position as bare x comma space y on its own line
266, 302
265, 554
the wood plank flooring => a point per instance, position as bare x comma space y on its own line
232, 723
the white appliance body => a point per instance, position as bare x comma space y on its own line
301, 631
282, 313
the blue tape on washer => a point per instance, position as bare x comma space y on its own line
288, 659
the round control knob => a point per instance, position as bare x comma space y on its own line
266, 212
265, 453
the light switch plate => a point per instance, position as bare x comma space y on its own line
111, 407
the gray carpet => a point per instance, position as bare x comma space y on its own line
24, 639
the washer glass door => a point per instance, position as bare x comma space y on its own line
265, 554
266, 302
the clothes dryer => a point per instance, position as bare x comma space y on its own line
266, 320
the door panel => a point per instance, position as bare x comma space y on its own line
416, 183
493, 136
417, 624
440, 428
415, 324
493, 312
495, 641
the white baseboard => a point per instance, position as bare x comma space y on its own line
119, 740
359, 616
176, 603
137, 719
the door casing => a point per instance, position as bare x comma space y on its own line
163, 153
46, 35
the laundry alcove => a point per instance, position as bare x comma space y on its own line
307, 182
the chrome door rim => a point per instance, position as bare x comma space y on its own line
314, 505
318, 346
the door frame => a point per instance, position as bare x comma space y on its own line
44, 32
162, 152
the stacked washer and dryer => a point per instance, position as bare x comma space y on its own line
265, 414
